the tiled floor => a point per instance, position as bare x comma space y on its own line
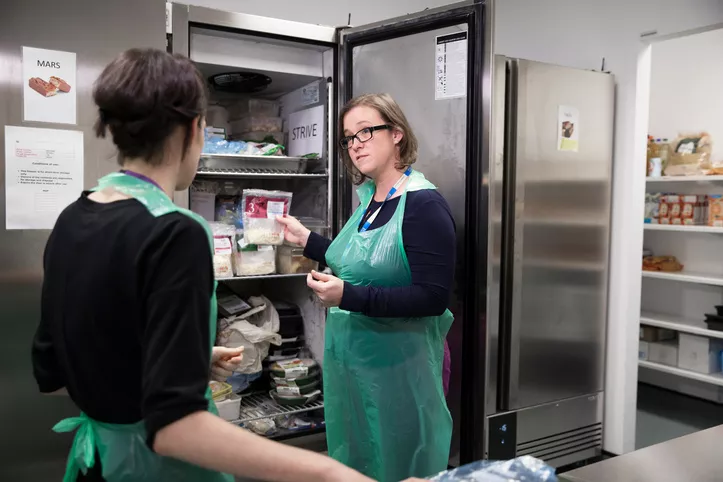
665, 415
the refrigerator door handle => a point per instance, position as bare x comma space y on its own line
510, 258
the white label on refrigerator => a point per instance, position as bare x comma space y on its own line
43, 174
310, 94
568, 128
306, 132
450, 66
49, 86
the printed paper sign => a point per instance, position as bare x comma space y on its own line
49, 86
306, 132
568, 128
43, 175
451, 66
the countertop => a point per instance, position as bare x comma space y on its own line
697, 457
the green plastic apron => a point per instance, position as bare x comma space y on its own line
124, 455
385, 410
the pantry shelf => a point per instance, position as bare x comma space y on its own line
713, 379
263, 276
686, 277
685, 179
683, 228
694, 327
260, 405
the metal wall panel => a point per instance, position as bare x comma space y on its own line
96, 31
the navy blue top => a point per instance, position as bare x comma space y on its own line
428, 232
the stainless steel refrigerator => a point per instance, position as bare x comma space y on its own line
549, 230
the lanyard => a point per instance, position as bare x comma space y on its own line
141, 177
392, 191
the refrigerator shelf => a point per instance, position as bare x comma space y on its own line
258, 173
694, 327
263, 276
260, 405
683, 228
229, 163
686, 277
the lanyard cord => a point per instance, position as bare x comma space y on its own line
392, 191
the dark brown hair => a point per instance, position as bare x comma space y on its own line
142, 96
392, 115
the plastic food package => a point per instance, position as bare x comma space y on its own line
257, 124
223, 249
254, 260
294, 369
260, 209
260, 137
219, 390
652, 207
264, 426
520, 469
253, 107
291, 260
227, 211
690, 155
715, 210
229, 408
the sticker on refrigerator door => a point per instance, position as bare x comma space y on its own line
49, 86
568, 128
310, 94
450, 66
43, 175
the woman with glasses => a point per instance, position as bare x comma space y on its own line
393, 266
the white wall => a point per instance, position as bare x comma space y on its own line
686, 92
574, 33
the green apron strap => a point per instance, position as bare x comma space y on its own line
82, 453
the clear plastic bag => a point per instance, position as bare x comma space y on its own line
223, 249
521, 469
260, 209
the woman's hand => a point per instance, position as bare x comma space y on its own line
294, 231
328, 288
225, 361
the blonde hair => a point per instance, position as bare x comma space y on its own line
393, 116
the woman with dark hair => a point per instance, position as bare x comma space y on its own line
393, 265
128, 310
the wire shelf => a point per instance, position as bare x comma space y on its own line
260, 405
257, 173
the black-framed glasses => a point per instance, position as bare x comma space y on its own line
362, 136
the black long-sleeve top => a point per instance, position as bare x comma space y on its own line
428, 233
125, 313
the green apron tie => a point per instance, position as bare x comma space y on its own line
82, 453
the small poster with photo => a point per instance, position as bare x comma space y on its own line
49, 86
568, 128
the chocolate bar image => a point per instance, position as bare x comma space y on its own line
43, 88
62, 85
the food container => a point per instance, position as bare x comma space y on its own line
715, 210
261, 137
257, 124
223, 250
294, 400
294, 369
220, 391
310, 379
229, 408
287, 390
260, 209
291, 260
253, 107
254, 260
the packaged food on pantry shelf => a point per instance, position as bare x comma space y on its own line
223, 249
255, 260
260, 209
253, 107
219, 390
652, 208
690, 155
661, 263
715, 210
291, 260
257, 124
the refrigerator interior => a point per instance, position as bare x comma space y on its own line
298, 75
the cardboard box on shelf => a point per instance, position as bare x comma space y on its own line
665, 352
699, 353
643, 350
652, 334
